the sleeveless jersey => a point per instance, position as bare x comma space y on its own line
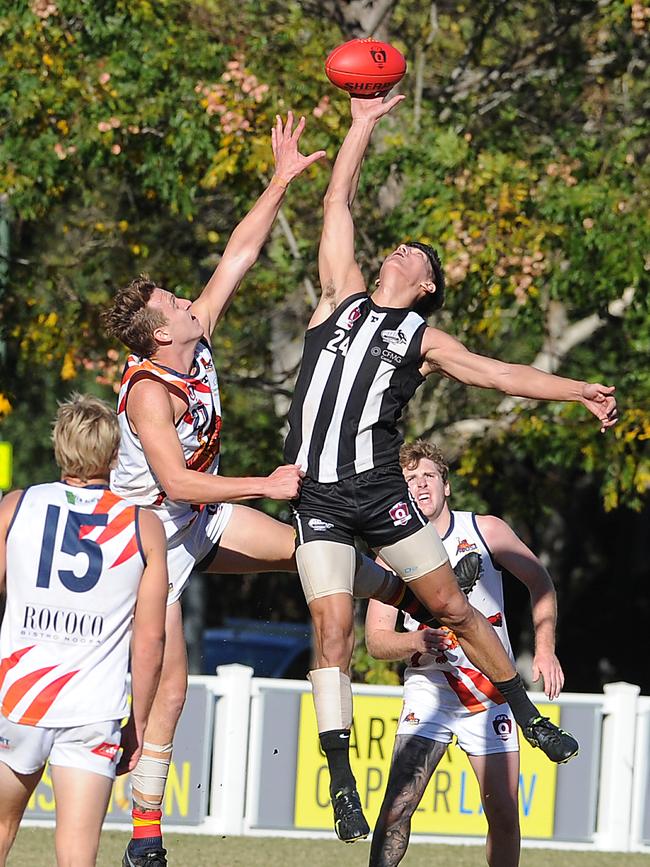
199, 432
74, 564
462, 685
359, 369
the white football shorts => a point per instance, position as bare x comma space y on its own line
195, 546
480, 734
93, 747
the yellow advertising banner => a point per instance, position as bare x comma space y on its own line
451, 803
6, 465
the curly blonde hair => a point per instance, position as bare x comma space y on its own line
131, 320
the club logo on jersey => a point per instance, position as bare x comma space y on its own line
502, 725
207, 363
318, 525
496, 619
5, 744
411, 718
400, 514
353, 315
62, 624
106, 750
464, 547
398, 337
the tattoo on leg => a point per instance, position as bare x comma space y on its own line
413, 763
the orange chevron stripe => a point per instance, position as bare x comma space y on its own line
20, 687
119, 523
10, 661
130, 550
486, 686
43, 701
467, 698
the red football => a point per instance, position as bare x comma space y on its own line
365, 67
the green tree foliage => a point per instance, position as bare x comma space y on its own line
134, 135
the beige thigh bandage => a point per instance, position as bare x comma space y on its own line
149, 776
325, 568
415, 556
332, 699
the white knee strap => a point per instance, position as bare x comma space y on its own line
332, 699
149, 776
325, 568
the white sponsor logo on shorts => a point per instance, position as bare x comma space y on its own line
400, 514
318, 525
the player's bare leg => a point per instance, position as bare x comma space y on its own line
149, 776
414, 760
15, 792
254, 542
81, 802
498, 778
438, 590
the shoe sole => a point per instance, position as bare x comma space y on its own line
350, 839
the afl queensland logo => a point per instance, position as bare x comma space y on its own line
502, 725
379, 56
353, 315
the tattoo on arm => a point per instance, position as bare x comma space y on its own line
413, 763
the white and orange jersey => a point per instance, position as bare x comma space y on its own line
462, 685
74, 564
199, 432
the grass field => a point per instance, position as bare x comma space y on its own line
35, 846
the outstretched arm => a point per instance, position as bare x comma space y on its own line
248, 238
340, 275
511, 553
446, 355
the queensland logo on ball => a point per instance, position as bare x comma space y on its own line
379, 56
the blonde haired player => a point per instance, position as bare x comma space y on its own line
445, 695
85, 576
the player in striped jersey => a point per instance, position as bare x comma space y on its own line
86, 577
364, 357
444, 694
170, 418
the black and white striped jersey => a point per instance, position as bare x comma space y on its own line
359, 369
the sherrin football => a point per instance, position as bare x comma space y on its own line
365, 67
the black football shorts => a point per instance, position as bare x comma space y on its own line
376, 506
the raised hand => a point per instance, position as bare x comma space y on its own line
373, 109
599, 400
289, 162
